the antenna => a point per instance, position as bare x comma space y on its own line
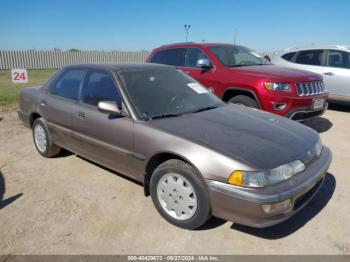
235, 36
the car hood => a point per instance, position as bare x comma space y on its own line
256, 138
277, 73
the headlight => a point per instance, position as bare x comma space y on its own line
318, 148
270, 177
277, 86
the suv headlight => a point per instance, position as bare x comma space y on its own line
277, 86
265, 178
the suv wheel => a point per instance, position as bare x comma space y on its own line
244, 101
42, 139
180, 194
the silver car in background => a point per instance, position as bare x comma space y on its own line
332, 62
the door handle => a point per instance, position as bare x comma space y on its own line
329, 73
81, 115
43, 103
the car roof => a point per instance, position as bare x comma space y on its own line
194, 44
312, 47
117, 66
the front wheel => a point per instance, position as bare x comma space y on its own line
244, 101
180, 194
42, 139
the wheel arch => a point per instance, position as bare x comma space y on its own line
235, 91
32, 117
157, 159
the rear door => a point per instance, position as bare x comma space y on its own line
104, 138
58, 102
337, 72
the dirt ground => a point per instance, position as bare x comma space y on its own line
67, 205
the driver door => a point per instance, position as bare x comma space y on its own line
103, 138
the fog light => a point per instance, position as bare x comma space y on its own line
279, 207
279, 106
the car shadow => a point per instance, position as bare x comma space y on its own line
8, 201
297, 221
319, 124
213, 222
63, 153
339, 106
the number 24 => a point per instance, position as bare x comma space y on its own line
19, 76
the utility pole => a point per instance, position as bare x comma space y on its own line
235, 36
187, 29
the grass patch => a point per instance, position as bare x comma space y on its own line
9, 91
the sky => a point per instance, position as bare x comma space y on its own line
133, 25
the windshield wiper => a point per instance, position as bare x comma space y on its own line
163, 116
179, 114
238, 65
204, 109
250, 65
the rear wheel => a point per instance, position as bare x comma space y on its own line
244, 101
42, 139
180, 194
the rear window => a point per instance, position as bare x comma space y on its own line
174, 57
288, 56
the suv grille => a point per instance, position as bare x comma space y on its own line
311, 88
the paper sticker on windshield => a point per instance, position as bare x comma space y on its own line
256, 54
198, 88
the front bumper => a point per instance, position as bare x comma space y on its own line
298, 108
305, 113
243, 205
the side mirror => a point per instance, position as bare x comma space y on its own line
110, 107
204, 63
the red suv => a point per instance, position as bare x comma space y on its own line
239, 75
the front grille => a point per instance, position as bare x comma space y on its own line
310, 88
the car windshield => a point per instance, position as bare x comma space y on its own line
235, 56
165, 92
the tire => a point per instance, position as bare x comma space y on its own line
191, 191
244, 100
42, 139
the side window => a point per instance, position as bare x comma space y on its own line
174, 57
309, 57
99, 87
288, 56
193, 55
68, 84
337, 58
